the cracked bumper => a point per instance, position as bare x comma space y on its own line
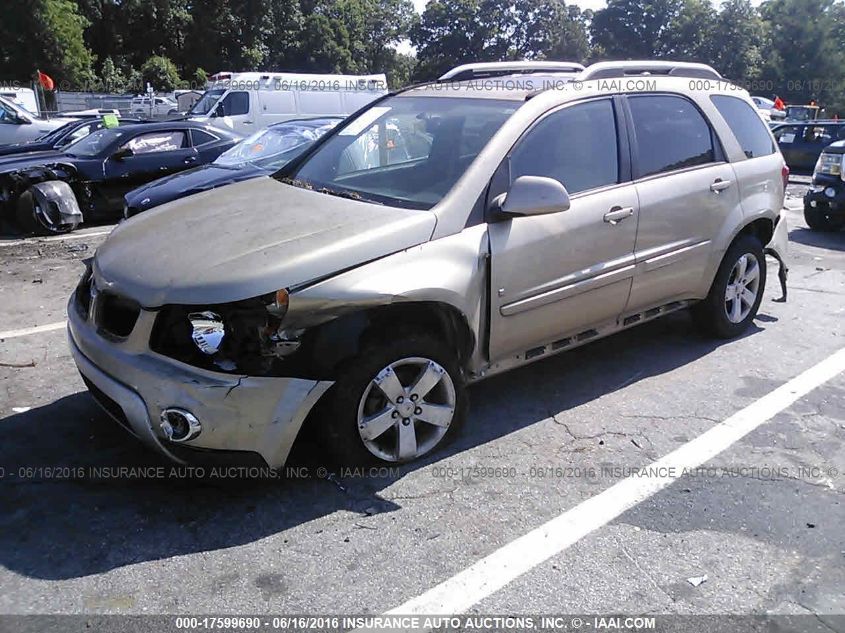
237, 413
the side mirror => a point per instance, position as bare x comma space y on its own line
533, 195
125, 152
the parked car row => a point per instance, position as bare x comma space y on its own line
108, 173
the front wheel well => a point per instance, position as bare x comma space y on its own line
341, 339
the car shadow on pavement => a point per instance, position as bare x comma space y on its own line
69, 513
833, 240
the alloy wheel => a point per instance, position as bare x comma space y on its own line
406, 409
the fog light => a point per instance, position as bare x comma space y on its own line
180, 425
830, 192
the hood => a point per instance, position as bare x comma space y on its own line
835, 148
13, 162
187, 183
246, 240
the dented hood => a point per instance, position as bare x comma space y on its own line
248, 239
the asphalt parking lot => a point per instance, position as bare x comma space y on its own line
762, 519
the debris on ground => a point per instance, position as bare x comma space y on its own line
695, 581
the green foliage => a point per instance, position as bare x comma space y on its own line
160, 73
792, 48
45, 35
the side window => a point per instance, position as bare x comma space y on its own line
576, 146
746, 125
671, 134
786, 134
840, 132
77, 134
164, 141
235, 103
7, 115
818, 135
201, 138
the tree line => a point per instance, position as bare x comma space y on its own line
791, 48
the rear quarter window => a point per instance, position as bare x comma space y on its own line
746, 125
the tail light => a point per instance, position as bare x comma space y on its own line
784, 173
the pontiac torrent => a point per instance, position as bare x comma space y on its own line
445, 233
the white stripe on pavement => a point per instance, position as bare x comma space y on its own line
33, 330
488, 575
54, 238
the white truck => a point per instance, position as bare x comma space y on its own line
18, 125
248, 101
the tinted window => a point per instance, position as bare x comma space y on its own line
671, 134
165, 141
746, 124
787, 134
201, 138
819, 134
235, 103
575, 146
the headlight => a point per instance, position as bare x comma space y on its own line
829, 164
207, 331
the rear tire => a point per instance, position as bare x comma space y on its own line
818, 219
374, 414
736, 292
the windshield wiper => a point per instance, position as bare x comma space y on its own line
340, 193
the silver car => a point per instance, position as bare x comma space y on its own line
493, 223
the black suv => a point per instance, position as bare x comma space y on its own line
802, 143
824, 203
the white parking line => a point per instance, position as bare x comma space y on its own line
59, 325
55, 238
488, 575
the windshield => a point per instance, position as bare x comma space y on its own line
93, 144
207, 101
274, 147
407, 151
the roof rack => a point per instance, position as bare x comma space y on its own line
607, 70
498, 69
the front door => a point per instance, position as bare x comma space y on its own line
559, 274
154, 155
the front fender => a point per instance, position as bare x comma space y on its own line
59, 195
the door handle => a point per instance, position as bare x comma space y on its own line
247, 122
190, 159
719, 185
617, 214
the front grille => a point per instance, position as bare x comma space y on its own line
116, 315
107, 403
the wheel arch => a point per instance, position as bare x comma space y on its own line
337, 341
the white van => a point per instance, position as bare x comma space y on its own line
18, 125
245, 102
23, 97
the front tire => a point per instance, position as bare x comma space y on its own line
31, 218
818, 219
397, 401
737, 290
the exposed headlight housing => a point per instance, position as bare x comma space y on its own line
243, 336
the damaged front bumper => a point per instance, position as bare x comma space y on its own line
237, 413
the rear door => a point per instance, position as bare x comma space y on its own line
686, 191
559, 274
